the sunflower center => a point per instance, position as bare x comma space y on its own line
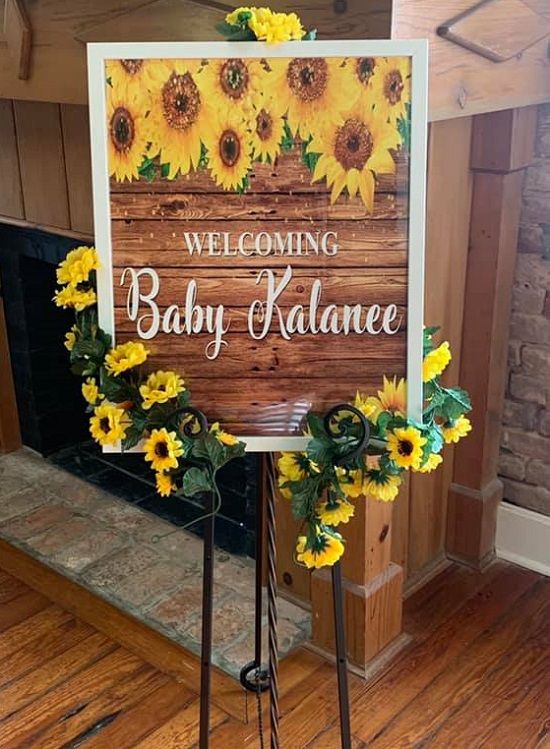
405, 448
264, 125
161, 450
181, 101
354, 144
230, 147
234, 78
307, 78
122, 129
365, 68
393, 86
104, 425
132, 66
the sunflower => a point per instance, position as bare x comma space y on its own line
381, 485
359, 72
352, 151
314, 89
90, 391
230, 84
162, 449
267, 127
131, 75
274, 28
454, 430
125, 356
391, 87
296, 466
223, 437
178, 115
433, 461
75, 298
229, 150
160, 387
165, 485
127, 141
70, 338
108, 424
392, 397
78, 265
405, 447
364, 404
327, 550
435, 361
333, 512
350, 482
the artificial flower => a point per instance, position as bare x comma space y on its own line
296, 466
127, 138
454, 430
164, 483
433, 461
364, 404
391, 398
125, 356
332, 512
90, 391
314, 89
435, 361
240, 16
229, 151
274, 28
353, 150
391, 87
77, 266
73, 297
350, 482
224, 437
405, 446
160, 387
380, 485
70, 338
177, 115
108, 424
328, 549
162, 450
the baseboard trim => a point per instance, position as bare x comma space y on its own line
523, 538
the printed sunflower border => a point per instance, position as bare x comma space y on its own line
345, 118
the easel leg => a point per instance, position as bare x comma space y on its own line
207, 607
272, 619
341, 659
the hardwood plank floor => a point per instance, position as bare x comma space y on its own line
475, 676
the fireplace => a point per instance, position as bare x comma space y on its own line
51, 408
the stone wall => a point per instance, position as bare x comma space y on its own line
525, 448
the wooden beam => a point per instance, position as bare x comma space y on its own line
498, 179
11, 196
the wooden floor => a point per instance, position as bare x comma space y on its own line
476, 674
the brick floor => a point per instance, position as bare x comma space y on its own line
134, 559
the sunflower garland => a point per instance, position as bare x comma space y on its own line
322, 490
127, 405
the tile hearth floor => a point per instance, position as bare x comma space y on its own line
135, 560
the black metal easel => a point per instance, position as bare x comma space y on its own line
253, 677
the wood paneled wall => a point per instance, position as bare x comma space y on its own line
45, 170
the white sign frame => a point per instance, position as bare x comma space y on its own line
417, 50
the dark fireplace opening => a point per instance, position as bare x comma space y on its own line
52, 411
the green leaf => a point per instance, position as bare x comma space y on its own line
113, 388
244, 186
287, 141
196, 481
456, 403
316, 425
133, 436
310, 36
322, 450
209, 448
164, 170
88, 348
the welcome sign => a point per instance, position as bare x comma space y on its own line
259, 216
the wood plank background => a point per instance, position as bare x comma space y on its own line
267, 386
